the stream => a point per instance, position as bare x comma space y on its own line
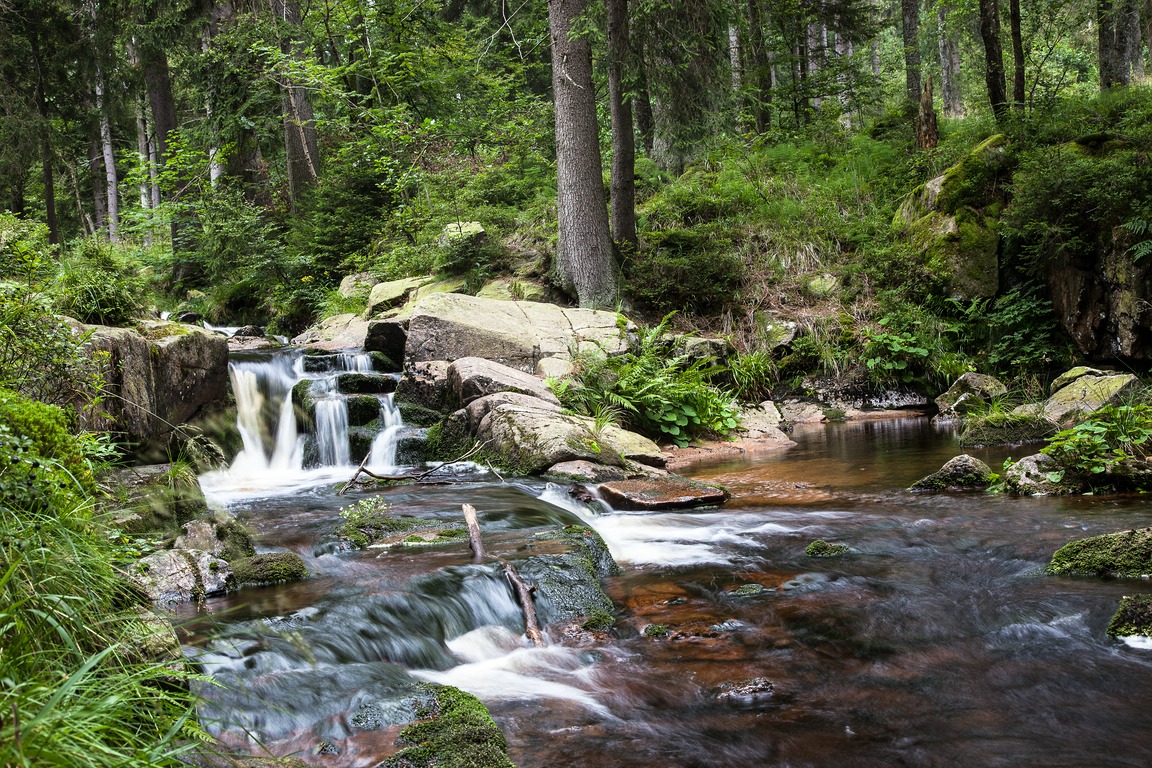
934, 642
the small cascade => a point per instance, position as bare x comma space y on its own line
383, 456
332, 432
264, 415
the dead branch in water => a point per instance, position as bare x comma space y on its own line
474, 539
362, 470
524, 595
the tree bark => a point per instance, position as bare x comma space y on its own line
584, 249
761, 75
99, 218
1118, 25
161, 102
645, 120
1019, 90
108, 154
910, 29
300, 142
993, 56
623, 132
949, 65
46, 159
927, 135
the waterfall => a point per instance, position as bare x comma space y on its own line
383, 456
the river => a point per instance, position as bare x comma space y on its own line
935, 642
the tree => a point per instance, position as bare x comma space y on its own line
584, 249
623, 131
949, 62
1118, 27
910, 28
993, 56
1019, 92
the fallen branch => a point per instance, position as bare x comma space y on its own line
474, 540
524, 595
362, 470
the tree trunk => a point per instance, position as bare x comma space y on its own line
161, 102
584, 247
108, 153
761, 74
910, 28
623, 133
645, 121
993, 56
99, 219
300, 142
1118, 25
949, 65
927, 135
46, 159
1019, 92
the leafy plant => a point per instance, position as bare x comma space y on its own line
893, 356
100, 283
1114, 435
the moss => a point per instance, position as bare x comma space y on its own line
1005, 429
656, 630
305, 404
269, 569
1127, 554
598, 621
1133, 617
362, 410
365, 384
236, 539
458, 732
381, 363
821, 548
417, 415
748, 590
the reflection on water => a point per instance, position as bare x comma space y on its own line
936, 642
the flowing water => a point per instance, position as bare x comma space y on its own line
935, 642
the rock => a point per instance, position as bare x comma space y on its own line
1133, 618
417, 415
389, 295
347, 331
961, 473
568, 581
362, 410
778, 333
174, 576
1023, 424
1087, 394
586, 472
153, 499
252, 331
459, 232
470, 378
191, 318
356, 285
454, 730
365, 383
754, 690
514, 289
555, 368
274, 568
655, 494
968, 391
762, 420
1127, 554
821, 548
702, 348
388, 337
527, 437
482, 406
424, 384
223, 537
822, 286
1072, 374
157, 383
1040, 475
252, 343
515, 333
802, 413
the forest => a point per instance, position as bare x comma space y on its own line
860, 194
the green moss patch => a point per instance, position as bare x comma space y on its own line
821, 548
274, 568
457, 732
1127, 554
1133, 617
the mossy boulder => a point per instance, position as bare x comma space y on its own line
1133, 617
392, 294
968, 392
1127, 554
305, 404
221, 535
273, 568
455, 731
821, 548
362, 410
1041, 475
568, 581
1086, 394
1024, 424
960, 473
365, 384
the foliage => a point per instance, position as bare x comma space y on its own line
25, 254
1014, 332
681, 269
1114, 435
893, 356
752, 375
657, 392
100, 283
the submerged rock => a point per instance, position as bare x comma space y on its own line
1127, 554
821, 548
1133, 617
960, 473
659, 493
751, 691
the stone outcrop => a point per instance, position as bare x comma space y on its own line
1087, 394
967, 392
471, 378
173, 576
1040, 475
347, 331
392, 294
158, 380
961, 473
518, 334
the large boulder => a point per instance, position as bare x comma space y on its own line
173, 576
1127, 554
1040, 475
388, 336
952, 220
960, 473
969, 391
392, 294
1087, 394
516, 333
471, 378
347, 331
158, 380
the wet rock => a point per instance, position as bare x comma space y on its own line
347, 331
274, 568
749, 590
960, 473
172, 576
249, 331
387, 337
586, 472
362, 410
222, 536
821, 548
365, 383
1133, 617
969, 391
654, 494
1040, 475
424, 384
471, 378
252, 343
515, 333
456, 730
1127, 554
1087, 394
754, 690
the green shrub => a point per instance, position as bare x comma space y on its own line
682, 269
25, 253
100, 283
46, 444
1115, 435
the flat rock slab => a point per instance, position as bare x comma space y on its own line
471, 378
655, 494
515, 333
337, 332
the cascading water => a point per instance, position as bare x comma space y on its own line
383, 456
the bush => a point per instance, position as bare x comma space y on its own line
681, 269
1106, 444
99, 283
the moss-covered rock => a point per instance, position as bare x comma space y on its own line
417, 415
456, 731
969, 391
273, 568
960, 473
1021, 425
305, 405
821, 548
1040, 475
1133, 617
365, 384
568, 583
362, 410
1127, 554
1087, 394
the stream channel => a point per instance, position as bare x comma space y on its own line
935, 642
